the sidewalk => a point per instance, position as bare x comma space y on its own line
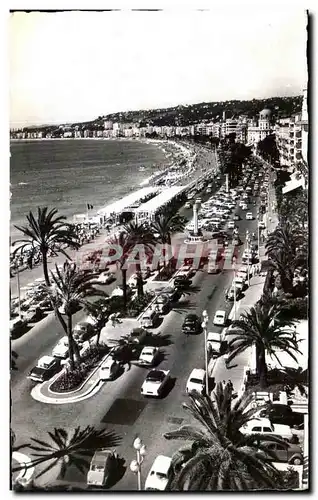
217, 368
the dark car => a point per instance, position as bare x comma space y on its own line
229, 294
283, 414
191, 324
46, 367
237, 217
281, 452
182, 282
173, 293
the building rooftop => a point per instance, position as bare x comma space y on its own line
119, 205
160, 200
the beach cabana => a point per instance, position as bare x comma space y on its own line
150, 208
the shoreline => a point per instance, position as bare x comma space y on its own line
173, 153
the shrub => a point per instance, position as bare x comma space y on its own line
71, 380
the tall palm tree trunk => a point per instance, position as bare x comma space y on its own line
140, 285
45, 268
124, 284
70, 341
262, 367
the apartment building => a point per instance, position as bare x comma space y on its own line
258, 130
288, 139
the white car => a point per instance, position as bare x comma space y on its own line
61, 348
157, 478
155, 382
105, 277
148, 355
264, 426
249, 216
213, 342
231, 224
244, 206
109, 369
196, 381
261, 225
219, 318
239, 282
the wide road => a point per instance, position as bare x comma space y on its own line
119, 405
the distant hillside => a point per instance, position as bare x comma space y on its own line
209, 111
194, 113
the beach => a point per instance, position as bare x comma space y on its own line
69, 174
175, 153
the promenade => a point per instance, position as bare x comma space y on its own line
235, 371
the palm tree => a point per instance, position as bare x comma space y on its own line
285, 239
67, 449
140, 234
100, 312
220, 457
71, 288
46, 234
167, 223
280, 262
264, 329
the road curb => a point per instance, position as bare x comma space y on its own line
38, 396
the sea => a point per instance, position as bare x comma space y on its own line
69, 174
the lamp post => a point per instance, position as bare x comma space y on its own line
248, 256
19, 291
234, 270
205, 329
135, 465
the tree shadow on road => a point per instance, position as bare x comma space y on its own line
182, 307
160, 340
168, 388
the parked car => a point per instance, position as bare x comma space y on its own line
265, 427
173, 293
109, 369
163, 303
155, 383
61, 348
187, 205
191, 324
102, 465
213, 342
83, 330
283, 414
157, 478
148, 356
17, 325
231, 224
118, 291
239, 282
150, 318
219, 318
233, 293
244, 206
237, 217
196, 381
249, 216
288, 453
46, 367
182, 282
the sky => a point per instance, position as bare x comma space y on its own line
72, 66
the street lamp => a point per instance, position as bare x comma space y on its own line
205, 329
248, 256
135, 465
234, 270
